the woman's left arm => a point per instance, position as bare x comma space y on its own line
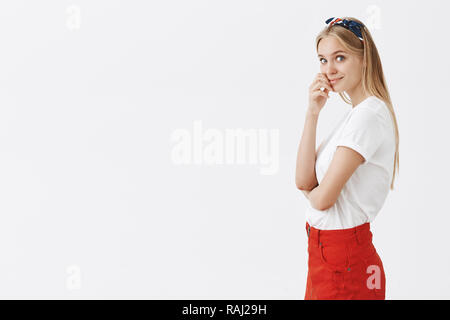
344, 163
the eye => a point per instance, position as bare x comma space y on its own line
343, 58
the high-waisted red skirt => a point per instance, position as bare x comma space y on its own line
343, 264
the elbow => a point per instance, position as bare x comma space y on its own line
324, 204
299, 184
305, 187
302, 187
322, 207
321, 201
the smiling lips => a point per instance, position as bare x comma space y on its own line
332, 81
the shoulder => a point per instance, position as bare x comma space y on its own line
374, 106
372, 110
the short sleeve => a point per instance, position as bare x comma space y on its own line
364, 132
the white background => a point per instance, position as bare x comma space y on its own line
92, 204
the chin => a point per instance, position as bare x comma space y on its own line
339, 89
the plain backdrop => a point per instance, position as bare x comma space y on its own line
93, 94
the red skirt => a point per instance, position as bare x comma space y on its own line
343, 264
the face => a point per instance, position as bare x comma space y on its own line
335, 62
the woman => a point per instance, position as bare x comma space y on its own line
348, 179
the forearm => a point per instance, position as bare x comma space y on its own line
305, 173
313, 197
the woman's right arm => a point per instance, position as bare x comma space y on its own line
305, 173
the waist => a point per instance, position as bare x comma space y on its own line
360, 233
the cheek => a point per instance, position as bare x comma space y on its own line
354, 68
346, 68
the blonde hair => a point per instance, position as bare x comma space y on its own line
373, 81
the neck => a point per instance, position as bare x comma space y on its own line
357, 95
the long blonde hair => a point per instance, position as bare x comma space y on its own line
373, 81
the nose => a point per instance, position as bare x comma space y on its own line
330, 68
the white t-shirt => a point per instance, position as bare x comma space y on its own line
367, 128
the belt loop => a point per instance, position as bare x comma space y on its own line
357, 236
318, 239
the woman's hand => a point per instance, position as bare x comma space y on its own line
317, 97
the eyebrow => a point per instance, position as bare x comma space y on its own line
333, 53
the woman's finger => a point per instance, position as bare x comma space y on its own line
320, 85
315, 83
321, 93
326, 85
